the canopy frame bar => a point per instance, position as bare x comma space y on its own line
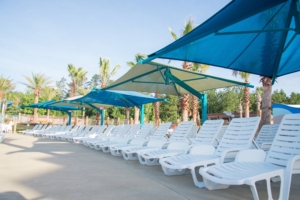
254, 31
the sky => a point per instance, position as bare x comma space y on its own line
45, 36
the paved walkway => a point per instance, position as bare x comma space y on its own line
37, 168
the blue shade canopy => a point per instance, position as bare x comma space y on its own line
117, 98
71, 101
48, 105
256, 36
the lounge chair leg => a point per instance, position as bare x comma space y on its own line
254, 191
269, 189
196, 182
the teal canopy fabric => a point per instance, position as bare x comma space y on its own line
256, 36
48, 105
117, 98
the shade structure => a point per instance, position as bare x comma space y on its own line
116, 98
49, 105
256, 36
71, 101
164, 79
159, 78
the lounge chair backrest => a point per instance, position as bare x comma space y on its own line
100, 129
208, 132
239, 134
60, 128
94, 129
79, 130
193, 132
181, 131
286, 143
35, 127
119, 130
134, 129
161, 131
68, 128
266, 134
109, 130
220, 135
86, 130
144, 131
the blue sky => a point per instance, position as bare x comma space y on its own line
45, 36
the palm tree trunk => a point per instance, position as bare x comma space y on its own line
246, 100
195, 108
185, 98
136, 115
127, 114
156, 110
266, 106
98, 118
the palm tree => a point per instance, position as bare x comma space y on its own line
188, 27
6, 85
202, 68
78, 76
131, 64
49, 93
245, 76
36, 83
105, 76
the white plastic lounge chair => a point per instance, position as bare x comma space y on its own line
266, 136
67, 135
100, 134
43, 130
139, 140
92, 134
114, 133
43, 127
238, 136
113, 140
133, 131
59, 136
175, 146
156, 141
34, 128
62, 130
193, 132
206, 136
283, 160
78, 134
52, 129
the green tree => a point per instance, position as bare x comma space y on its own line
6, 85
169, 110
279, 97
131, 64
61, 87
294, 98
78, 76
36, 82
188, 27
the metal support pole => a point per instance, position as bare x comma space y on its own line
102, 117
204, 107
142, 111
70, 118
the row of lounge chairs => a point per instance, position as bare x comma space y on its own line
222, 155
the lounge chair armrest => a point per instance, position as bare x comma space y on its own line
251, 155
201, 149
229, 153
266, 145
293, 164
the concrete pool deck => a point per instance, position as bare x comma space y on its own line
38, 168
